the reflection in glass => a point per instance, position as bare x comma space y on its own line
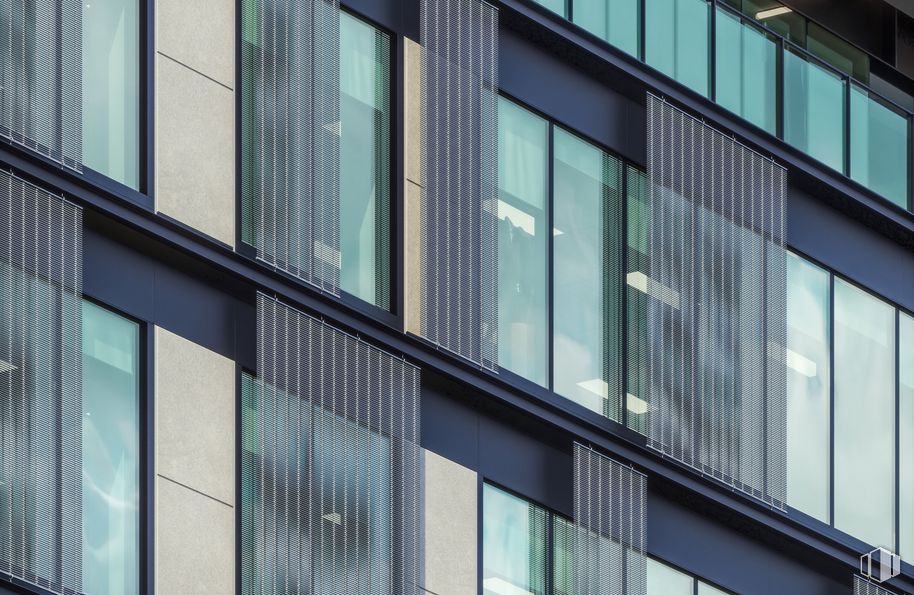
746, 78
110, 89
585, 278
879, 147
864, 416
906, 436
677, 44
814, 110
808, 380
364, 161
666, 580
110, 453
513, 545
522, 241
616, 21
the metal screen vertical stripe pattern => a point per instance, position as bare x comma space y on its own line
716, 317
331, 468
40, 387
290, 77
41, 77
610, 509
459, 246
862, 586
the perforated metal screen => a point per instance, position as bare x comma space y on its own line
41, 77
863, 586
291, 136
331, 475
459, 172
716, 315
610, 508
40, 387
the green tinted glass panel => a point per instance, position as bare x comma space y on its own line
814, 110
616, 21
522, 241
110, 89
906, 436
513, 545
706, 589
638, 263
879, 147
666, 580
677, 40
556, 6
786, 24
746, 65
837, 52
111, 453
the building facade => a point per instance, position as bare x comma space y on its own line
403, 297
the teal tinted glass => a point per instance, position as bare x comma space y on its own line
616, 21
111, 452
513, 545
556, 6
746, 78
906, 436
110, 89
523, 170
814, 110
677, 40
364, 161
637, 273
808, 388
586, 257
666, 580
864, 416
879, 147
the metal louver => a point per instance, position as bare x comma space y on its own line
331, 469
40, 387
716, 317
459, 209
609, 542
863, 586
41, 77
291, 129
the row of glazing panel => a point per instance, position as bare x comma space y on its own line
770, 81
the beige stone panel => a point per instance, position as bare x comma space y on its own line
413, 255
195, 150
200, 34
412, 110
195, 542
450, 527
195, 416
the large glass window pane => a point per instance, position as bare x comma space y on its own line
808, 392
906, 438
864, 416
666, 580
706, 589
616, 21
522, 242
110, 89
837, 52
111, 456
814, 110
746, 77
879, 147
556, 6
677, 40
364, 161
513, 545
637, 274
585, 276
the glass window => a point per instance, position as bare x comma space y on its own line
746, 78
706, 589
814, 110
556, 6
111, 89
808, 388
111, 452
845, 57
513, 545
522, 243
364, 161
638, 271
677, 34
616, 21
879, 147
666, 580
586, 268
906, 437
864, 416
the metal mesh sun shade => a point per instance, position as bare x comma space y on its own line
291, 145
459, 246
863, 586
331, 471
609, 541
41, 77
716, 327
40, 387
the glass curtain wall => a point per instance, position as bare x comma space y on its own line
880, 155
677, 40
615, 21
906, 434
513, 544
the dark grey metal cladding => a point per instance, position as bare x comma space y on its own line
40, 387
460, 178
716, 323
